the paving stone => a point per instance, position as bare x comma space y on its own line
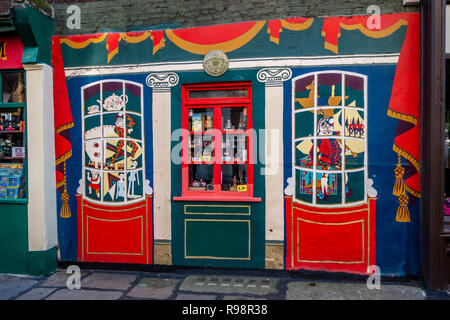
11, 286
195, 297
154, 288
241, 298
59, 279
66, 294
230, 284
36, 294
112, 281
351, 291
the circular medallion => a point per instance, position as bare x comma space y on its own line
215, 63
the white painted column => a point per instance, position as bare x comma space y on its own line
42, 215
161, 84
273, 79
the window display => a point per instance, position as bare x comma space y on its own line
330, 138
217, 140
12, 136
113, 142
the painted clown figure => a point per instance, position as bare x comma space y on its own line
328, 150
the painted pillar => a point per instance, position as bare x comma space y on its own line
42, 215
273, 79
161, 84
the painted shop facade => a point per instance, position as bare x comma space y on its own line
280, 144
289, 144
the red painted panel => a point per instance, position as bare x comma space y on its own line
120, 234
11, 51
340, 242
331, 239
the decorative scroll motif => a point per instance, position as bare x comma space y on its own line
162, 81
274, 77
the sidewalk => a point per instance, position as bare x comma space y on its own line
198, 285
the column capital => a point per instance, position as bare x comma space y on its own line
162, 81
274, 77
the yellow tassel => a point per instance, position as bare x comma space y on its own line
403, 211
399, 186
65, 208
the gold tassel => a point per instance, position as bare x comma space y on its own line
400, 192
403, 211
65, 208
399, 186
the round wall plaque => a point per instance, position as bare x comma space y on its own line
215, 63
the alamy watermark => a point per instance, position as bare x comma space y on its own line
73, 21
74, 281
374, 280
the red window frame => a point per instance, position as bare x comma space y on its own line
217, 104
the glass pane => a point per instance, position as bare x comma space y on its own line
135, 185
303, 185
114, 155
12, 181
133, 97
205, 94
329, 122
113, 125
93, 184
304, 124
133, 125
12, 128
201, 177
354, 91
354, 186
92, 128
93, 154
354, 154
13, 87
329, 89
354, 123
329, 188
234, 177
201, 148
234, 147
329, 154
92, 101
304, 153
134, 154
234, 118
304, 93
114, 187
201, 119
113, 97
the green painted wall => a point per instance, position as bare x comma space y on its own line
14, 255
214, 232
36, 31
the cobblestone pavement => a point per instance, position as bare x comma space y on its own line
199, 285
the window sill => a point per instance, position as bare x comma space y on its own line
217, 198
13, 201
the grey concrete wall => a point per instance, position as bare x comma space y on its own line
125, 15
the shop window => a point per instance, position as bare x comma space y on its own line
113, 142
12, 135
217, 123
330, 140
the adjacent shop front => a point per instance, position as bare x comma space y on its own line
27, 202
